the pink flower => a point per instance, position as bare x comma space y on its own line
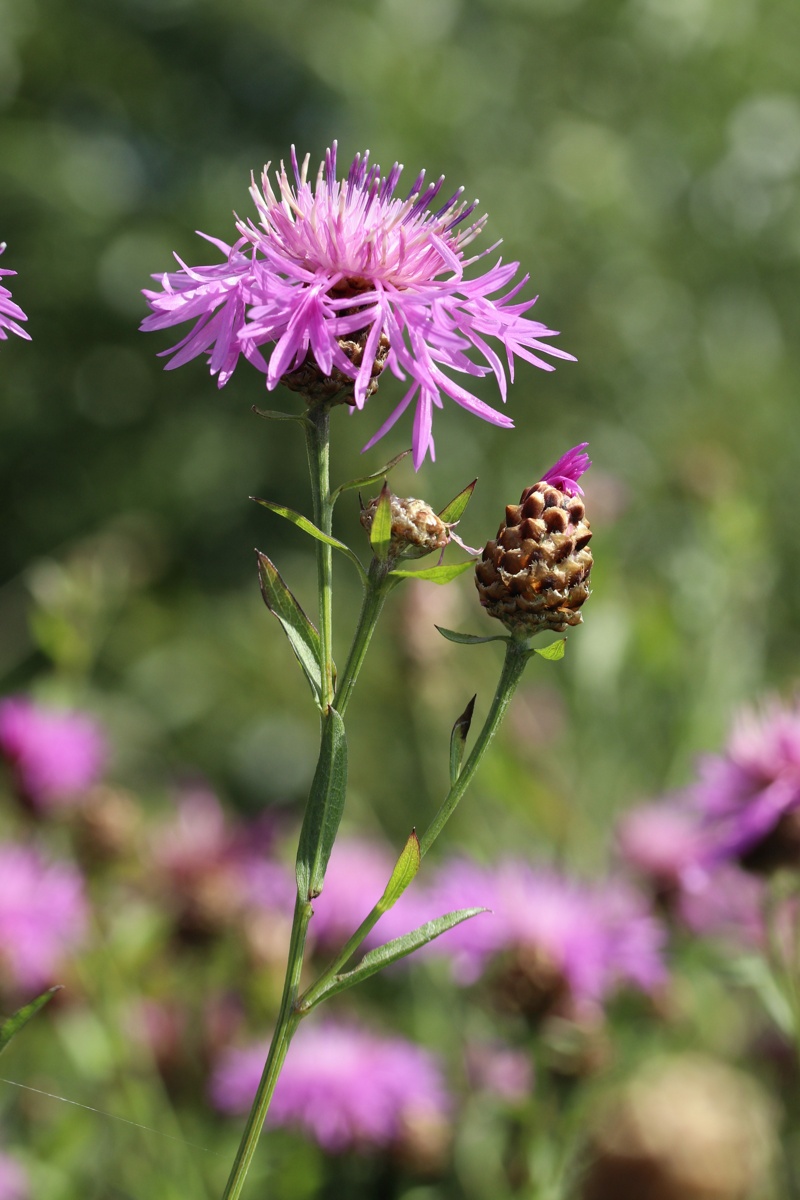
660, 841
565, 473
42, 915
338, 259
14, 1183
54, 755
10, 313
346, 1087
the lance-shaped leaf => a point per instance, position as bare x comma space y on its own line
311, 529
363, 480
397, 948
404, 871
270, 414
554, 651
324, 808
303, 637
454, 511
440, 574
469, 639
458, 740
380, 534
21, 1017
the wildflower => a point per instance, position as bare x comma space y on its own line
535, 575
343, 279
54, 755
748, 797
347, 1088
42, 915
10, 313
553, 944
14, 1182
660, 842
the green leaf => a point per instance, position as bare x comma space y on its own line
554, 651
380, 535
324, 808
441, 574
454, 511
390, 952
404, 871
303, 637
469, 639
310, 528
271, 415
21, 1017
458, 740
365, 479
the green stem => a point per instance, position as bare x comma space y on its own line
375, 593
318, 448
517, 655
288, 1020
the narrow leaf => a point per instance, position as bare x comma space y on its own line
324, 808
454, 511
469, 639
404, 871
380, 535
21, 1017
373, 478
391, 952
272, 415
458, 740
554, 651
441, 574
310, 528
303, 637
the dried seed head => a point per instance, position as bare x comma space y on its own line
319, 389
535, 574
416, 529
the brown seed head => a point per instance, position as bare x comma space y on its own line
535, 574
416, 529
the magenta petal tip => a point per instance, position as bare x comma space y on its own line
567, 471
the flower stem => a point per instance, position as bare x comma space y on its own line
375, 592
317, 429
517, 655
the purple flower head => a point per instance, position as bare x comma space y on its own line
589, 939
10, 313
14, 1183
565, 473
726, 904
54, 755
344, 1086
660, 842
335, 259
750, 793
42, 915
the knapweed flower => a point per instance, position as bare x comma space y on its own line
10, 313
552, 944
42, 915
341, 278
535, 574
344, 1086
748, 797
54, 755
660, 841
14, 1182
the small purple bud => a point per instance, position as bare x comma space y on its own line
567, 471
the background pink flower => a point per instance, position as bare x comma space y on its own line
54, 754
43, 915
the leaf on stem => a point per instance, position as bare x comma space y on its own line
440, 574
365, 479
380, 534
404, 871
21, 1017
469, 639
454, 511
458, 740
554, 651
311, 529
302, 635
273, 415
390, 952
324, 808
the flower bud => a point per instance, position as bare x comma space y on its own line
416, 529
535, 574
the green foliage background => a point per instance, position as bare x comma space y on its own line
640, 158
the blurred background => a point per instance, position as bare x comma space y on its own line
641, 159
